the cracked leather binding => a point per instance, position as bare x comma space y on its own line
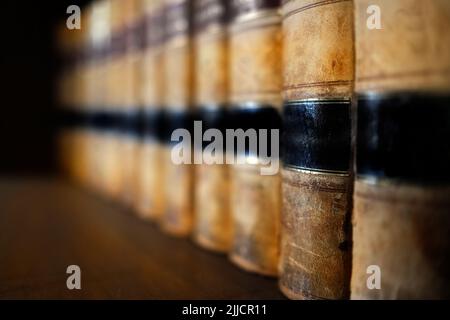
255, 95
316, 175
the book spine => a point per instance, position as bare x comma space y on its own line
110, 123
83, 104
100, 116
115, 71
178, 76
255, 98
69, 117
87, 71
316, 175
151, 163
401, 216
212, 214
131, 104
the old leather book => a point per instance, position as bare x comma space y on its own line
316, 174
70, 120
179, 190
114, 99
102, 117
255, 97
131, 103
85, 136
212, 228
150, 201
401, 221
109, 153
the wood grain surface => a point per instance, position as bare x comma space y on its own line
47, 225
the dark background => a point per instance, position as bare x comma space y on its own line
28, 69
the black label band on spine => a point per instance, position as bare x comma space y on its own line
176, 119
153, 124
132, 124
212, 117
317, 135
141, 123
404, 136
94, 120
105, 121
256, 118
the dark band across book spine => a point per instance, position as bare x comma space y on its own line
212, 228
255, 97
316, 175
178, 76
150, 201
401, 221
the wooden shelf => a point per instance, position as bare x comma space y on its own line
47, 225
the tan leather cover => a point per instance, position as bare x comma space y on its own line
178, 92
318, 64
404, 230
255, 71
315, 246
256, 203
410, 52
213, 225
402, 227
318, 49
150, 179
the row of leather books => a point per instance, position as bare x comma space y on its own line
360, 207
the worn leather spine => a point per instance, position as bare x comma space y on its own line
86, 71
150, 180
255, 95
401, 218
110, 155
212, 227
178, 76
114, 99
100, 113
316, 175
131, 104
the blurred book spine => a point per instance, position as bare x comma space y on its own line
178, 99
151, 164
115, 98
317, 180
213, 225
255, 99
129, 81
401, 221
